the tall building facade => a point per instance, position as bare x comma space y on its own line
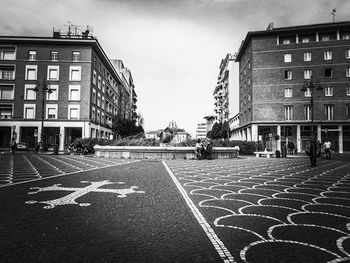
83, 89
222, 89
277, 102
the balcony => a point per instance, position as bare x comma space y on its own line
7, 72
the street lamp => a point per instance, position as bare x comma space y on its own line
43, 87
311, 85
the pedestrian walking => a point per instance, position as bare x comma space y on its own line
13, 145
327, 149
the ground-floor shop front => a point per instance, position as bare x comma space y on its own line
274, 137
54, 133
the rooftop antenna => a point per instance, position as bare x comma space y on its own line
333, 14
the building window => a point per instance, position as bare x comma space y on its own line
51, 111
6, 111
325, 38
53, 55
98, 118
31, 55
307, 113
249, 81
347, 53
328, 91
103, 86
94, 78
99, 83
307, 74
95, 61
348, 111
347, 73
6, 92
288, 92
7, 72
99, 99
29, 111
94, 96
329, 112
287, 58
74, 112
53, 73
31, 72
53, 95
75, 73
29, 93
286, 41
74, 93
288, 113
328, 73
348, 90
305, 40
307, 92
307, 56
249, 97
93, 114
7, 53
327, 55
76, 55
287, 75
103, 103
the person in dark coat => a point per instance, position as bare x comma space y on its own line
314, 151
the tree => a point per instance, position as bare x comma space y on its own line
123, 127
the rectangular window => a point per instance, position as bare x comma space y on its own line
53, 55
286, 41
103, 86
7, 53
7, 72
287, 75
288, 92
6, 111
94, 96
76, 56
328, 91
29, 92
53, 95
348, 90
74, 112
31, 72
94, 78
307, 113
327, 55
307, 56
287, 58
29, 111
53, 72
99, 99
74, 92
288, 113
348, 111
99, 83
6, 92
307, 92
328, 73
325, 38
51, 111
347, 72
98, 119
75, 73
347, 53
305, 40
103, 103
93, 114
329, 112
307, 74
31, 55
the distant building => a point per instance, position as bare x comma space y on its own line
225, 85
86, 89
153, 134
274, 65
204, 127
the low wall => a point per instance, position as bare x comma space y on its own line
154, 152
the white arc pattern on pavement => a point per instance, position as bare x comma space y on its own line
78, 192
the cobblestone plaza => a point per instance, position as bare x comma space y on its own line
87, 209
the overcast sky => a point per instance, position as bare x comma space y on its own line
172, 47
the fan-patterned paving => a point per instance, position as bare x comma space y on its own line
273, 210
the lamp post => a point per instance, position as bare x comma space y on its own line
42, 87
312, 85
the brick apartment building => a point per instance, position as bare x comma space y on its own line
274, 65
86, 89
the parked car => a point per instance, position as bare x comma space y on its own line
22, 146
